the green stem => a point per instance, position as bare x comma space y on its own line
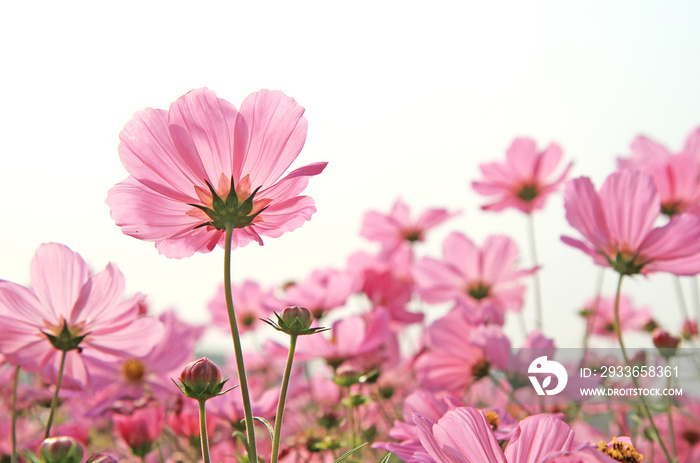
536, 275
283, 397
351, 420
681, 299
645, 407
54, 401
243, 382
13, 405
203, 435
671, 432
590, 320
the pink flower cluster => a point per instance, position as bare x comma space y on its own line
416, 362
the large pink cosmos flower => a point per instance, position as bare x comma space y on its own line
202, 166
464, 435
68, 302
472, 276
524, 180
618, 225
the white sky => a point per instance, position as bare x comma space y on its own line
402, 100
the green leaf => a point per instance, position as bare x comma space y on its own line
350, 452
243, 439
267, 424
386, 458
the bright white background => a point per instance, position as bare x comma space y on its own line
402, 100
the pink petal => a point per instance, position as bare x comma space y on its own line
584, 212
58, 274
149, 155
270, 132
135, 340
547, 161
536, 437
631, 206
522, 157
100, 293
201, 126
460, 252
461, 435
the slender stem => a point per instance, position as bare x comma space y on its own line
696, 296
13, 405
283, 398
681, 299
590, 320
536, 275
54, 401
351, 420
243, 382
671, 432
203, 435
645, 407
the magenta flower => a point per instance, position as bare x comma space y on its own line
617, 224
251, 302
472, 276
675, 175
524, 180
140, 429
602, 315
203, 166
398, 228
71, 306
464, 435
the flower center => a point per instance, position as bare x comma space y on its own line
481, 369
528, 192
133, 370
626, 263
493, 419
412, 235
620, 451
237, 210
479, 291
66, 339
671, 209
691, 437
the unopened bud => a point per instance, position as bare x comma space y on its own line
690, 329
201, 380
295, 321
665, 342
61, 450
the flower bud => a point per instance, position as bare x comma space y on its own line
297, 318
295, 321
690, 329
665, 342
61, 450
201, 380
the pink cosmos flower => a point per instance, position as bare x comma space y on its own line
618, 225
472, 276
524, 180
464, 435
602, 314
251, 302
203, 165
141, 428
68, 302
398, 228
148, 375
676, 176
321, 292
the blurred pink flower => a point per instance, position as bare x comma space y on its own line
473, 276
602, 314
141, 428
676, 176
523, 180
617, 224
398, 228
251, 302
65, 294
321, 291
187, 160
150, 374
464, 435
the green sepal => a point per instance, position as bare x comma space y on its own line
65, 340
230, 212
204, 393
293, 329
